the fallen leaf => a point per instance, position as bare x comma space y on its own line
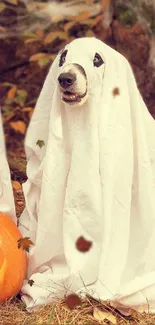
72, 301
127, 312
82, 16
2, 7
89, 33
9, 117
22, 93
40, 33
37, 56
31, 40
18, 126
7, 84
56, 18
30, 114
21, 97
44, 61
27, 109
52, 57
97, 19
12, 92
90, 2
88, 22
69, 25
24, 243
7, 112
52, 36
16, 185
103, 315
30, 35
9, 101
20, 203
13, 2
83, 245
40, 143
31, 282
136, 314
2, 29
116, 91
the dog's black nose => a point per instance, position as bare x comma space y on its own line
66, 79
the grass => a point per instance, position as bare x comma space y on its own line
14, 313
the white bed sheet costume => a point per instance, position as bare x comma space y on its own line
94, 177
6, 193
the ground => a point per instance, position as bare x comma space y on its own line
24, 63
14, 313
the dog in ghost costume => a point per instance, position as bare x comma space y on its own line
93, 176
6, 194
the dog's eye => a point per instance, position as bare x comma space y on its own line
98, 61
62, 58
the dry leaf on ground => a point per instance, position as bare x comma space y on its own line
69, 25
90, 33
97, 19
44, 61
40, 33
82, 16
27, 109
2, 7
103, 315
20, 203
16, 186
52, 36
12, 92
2, 29
18, 126
37, 57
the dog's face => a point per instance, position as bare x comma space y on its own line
72, 80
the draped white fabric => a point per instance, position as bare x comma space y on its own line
6, 194
95, 177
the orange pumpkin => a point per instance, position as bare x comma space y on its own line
13, 261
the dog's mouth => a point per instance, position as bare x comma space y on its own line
72, 97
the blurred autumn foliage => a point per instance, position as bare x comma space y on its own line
31, 34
